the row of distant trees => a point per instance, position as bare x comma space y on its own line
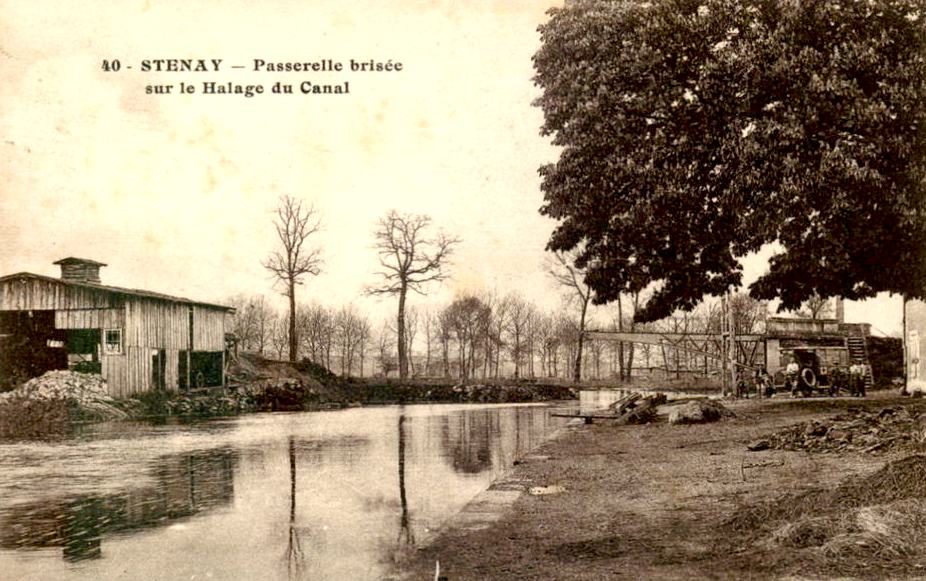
480, 337
474, 336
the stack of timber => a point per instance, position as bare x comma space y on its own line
633, 408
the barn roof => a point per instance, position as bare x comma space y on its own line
74, 260
114, 289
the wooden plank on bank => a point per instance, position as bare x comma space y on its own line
587, 417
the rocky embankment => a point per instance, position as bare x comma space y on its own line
53, 403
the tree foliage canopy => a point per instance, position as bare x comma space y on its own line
695, 132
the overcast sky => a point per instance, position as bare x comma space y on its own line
176, 192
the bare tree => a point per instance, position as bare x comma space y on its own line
316, 329
544, 329
294, 260
411, 330
346, 327
567, 274
363, 340
518, 322
468, 317
409, 260
815, 307
253, 322
445, 329
385, 358
429, 323
279, 336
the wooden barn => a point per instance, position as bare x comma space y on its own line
137, 340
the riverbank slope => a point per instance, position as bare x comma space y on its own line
668, 502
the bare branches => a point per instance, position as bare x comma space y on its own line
408, 259
294, 225
566, 273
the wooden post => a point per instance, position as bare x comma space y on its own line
904, 346
724, 346
189, 353
732, 354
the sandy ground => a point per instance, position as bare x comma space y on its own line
642, 502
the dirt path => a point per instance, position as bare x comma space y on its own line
645, 502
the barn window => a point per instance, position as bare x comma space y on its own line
112, 341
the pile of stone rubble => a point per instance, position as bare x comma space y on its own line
85, 393
69, 385
891, 428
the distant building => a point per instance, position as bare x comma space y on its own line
914, 332
137, 340
834, 343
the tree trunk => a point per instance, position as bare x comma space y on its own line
427, 357
293, 339
620, 344
403, 356
577, 373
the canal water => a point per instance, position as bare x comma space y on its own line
326, 495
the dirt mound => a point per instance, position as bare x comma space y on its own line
877, 520
899, 480
250, 367
892, 428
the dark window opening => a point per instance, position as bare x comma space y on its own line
205, 369
83, 346
112, 341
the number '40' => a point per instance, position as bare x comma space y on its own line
111, 66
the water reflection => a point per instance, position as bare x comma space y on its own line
296, 496
295, 559
405, 531
186, 484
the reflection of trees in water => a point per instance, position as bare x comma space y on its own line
482, 440
405, 529
185, 484
345, 451
342, 451
468, 438
295, 558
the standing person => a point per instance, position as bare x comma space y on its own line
856, 381
762, 381
792, 370
863, 371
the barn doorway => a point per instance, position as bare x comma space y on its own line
29, 346
158, 369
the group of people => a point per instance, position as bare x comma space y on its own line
852, 379
762, 381
858, 373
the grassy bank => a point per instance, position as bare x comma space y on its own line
690, 502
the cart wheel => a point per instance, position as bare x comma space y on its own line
809, 377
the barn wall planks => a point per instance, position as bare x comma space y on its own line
90, 319
208, 329
24, 294
157, 324
171, 379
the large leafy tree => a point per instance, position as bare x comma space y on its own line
694, 132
